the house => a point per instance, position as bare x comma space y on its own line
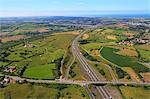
129, 43
141, 41
10, 69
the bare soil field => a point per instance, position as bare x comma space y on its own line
146, 76
111, 37
131, 72
3, 33
85, 36
33, 30
127, 52
128, 34
144, 47
95, 52
114, 92
69, 33
13, 38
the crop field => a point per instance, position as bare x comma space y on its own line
35, 91
40, 56
122, 61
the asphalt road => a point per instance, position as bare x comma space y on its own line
101, 90
77, 82
94, 79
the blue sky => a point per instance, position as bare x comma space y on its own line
71, 7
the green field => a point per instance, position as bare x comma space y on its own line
41, 72
122, 61
39, 56
36, 91
90, 46
144, 55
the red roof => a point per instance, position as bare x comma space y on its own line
12, 66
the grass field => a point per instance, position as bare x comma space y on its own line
39, 55
41, 72
35, 91
122, 61
135, 92
144, 55
91, 46
101, 69
75, 72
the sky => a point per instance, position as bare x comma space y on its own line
10, 8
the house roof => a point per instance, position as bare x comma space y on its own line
12, 66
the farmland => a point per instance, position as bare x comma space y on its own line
102, 45
34, 91
40, 56
123, 61
105, 35
74, 58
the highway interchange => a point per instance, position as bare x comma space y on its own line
94, 79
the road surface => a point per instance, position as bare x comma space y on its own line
77, 82
101, 90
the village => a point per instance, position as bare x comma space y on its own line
142, 39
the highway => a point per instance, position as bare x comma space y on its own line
101, 90
94, 79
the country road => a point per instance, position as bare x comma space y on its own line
77, 82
